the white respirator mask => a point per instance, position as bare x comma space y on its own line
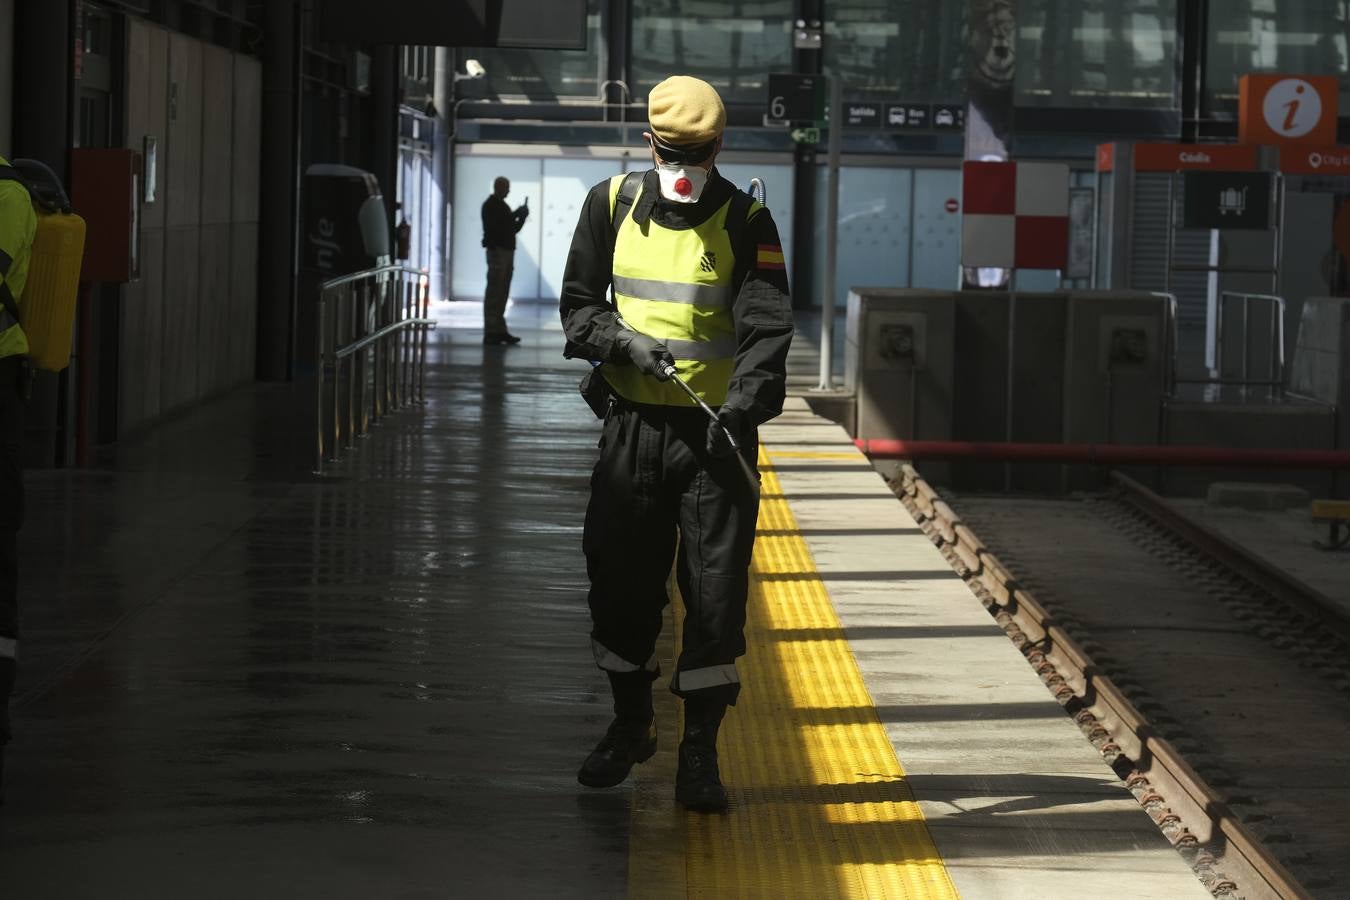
682, 184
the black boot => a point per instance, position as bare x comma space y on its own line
698, 785
631, 738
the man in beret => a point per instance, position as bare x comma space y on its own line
699, 287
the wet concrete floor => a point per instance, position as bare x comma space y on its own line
378, 685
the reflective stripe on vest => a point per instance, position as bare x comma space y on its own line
7, 320
676, 285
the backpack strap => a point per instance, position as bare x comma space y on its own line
7, 299
738, 217
623, 203
9, 173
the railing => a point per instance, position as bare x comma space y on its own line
372, 345
1276, 376
1170, 341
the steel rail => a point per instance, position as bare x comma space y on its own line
1299, 596
1182, 801
349, 349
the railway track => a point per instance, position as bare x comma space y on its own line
1216, 686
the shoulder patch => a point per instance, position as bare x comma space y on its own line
769, 256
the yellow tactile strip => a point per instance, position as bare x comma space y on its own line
819, 804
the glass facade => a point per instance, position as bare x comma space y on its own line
1097, 53
731, 44
1300, 37
545, 75
901, 50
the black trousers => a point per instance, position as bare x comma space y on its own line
11, 517
656, 492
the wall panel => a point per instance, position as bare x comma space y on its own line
142, 338
213, 310
178, 371
241, 334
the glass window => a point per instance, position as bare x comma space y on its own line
1097, 53
731, 44
545, 75
905, 50
1300, 37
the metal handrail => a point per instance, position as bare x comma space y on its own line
365, 274
1173, 338
1276, 379
372, 341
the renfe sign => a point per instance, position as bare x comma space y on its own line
1181, 158
1288, 109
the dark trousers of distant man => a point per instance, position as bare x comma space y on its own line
656, 489
501, 264
11, 517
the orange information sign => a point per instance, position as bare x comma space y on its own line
1288, 109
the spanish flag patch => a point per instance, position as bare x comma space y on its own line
770, 256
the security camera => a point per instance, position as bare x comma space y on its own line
474, 68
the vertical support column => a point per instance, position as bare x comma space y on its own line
279, 211
805, 215
831, 234
6, 77
44, 116
991, 66
443, 98
384, 91
1192, 41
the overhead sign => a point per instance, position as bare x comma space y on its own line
949, 118
908, 115
863, 115
796, 98
1315, 160
1288, 109
1228, 200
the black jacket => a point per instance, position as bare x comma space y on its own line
500, 224
762, 309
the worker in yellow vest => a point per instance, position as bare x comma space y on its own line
699, 282
18, 224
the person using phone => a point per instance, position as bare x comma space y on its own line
500, 226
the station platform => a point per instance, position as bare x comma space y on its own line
380, 683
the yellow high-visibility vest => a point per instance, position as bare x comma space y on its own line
675, 285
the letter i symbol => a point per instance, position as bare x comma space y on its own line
1292, 118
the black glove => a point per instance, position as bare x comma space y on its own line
728, 420
647, 353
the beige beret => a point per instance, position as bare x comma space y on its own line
685, 111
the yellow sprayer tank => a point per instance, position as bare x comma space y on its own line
48, 303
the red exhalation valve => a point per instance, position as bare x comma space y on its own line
684, 187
